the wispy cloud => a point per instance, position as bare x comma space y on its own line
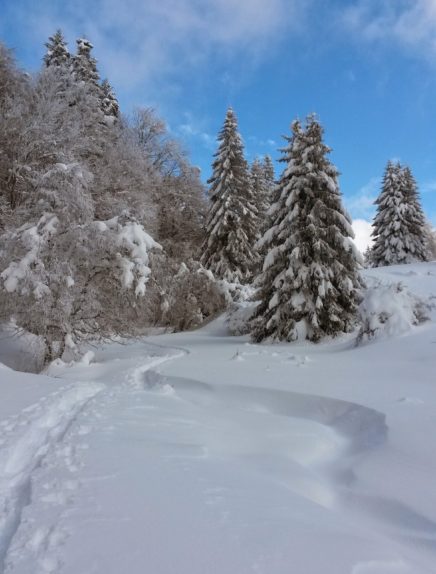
142, 41
411, 24
189, 131
361, 204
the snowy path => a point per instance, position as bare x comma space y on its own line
201, 453
26, 440
167, 474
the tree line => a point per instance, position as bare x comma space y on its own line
295, 241
98, 211
106, 228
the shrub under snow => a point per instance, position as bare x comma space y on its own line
389, 310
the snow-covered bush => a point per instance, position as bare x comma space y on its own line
81, 199
83, 280
185, 295
239, 317
388, 310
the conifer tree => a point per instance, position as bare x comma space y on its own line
430, 233
399, 234
85, 65
261, 190
109, 102
269, 175
232, 219
309, 287
416, 221
57, 52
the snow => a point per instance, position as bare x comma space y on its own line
133, 260
200, 453
32, 237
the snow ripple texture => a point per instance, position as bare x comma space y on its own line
25, 440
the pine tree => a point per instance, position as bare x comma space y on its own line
399, 235
109, 102
57, 52
85, 65
430, 233
261, 191
269, 175
232, 220
416, 220
310, 281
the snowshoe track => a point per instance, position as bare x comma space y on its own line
26, 440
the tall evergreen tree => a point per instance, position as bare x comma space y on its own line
399, 225
57, 52
430, 233
310, 280
109, 102
416, 220
269, 175
232, 220
85, 65
261, 191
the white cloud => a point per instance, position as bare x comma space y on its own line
362, 231
141, 41
409, 23
361, 204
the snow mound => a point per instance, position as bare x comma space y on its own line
389, 310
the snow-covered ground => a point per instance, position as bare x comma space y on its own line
200, 453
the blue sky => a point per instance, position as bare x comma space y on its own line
366, 67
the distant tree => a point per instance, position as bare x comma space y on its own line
85, 65
416, 221
269, 175
261, 193
232, 219
309, 287
57, 53
181, 214
15, 115
430, 233
109, 102
151, 135
399, 235
367, 257
77, 194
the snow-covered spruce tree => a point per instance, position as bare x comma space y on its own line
57, 53
309, 287
416, 219
261, 189
269, 175
232, 219
430, 233
84, 64
399, 235
109, 103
